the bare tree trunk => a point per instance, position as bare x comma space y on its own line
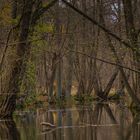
69, 76
70, 57
132, 35
59, 65
52, 79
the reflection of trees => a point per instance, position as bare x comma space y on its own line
27, 126
59, 124
91, 123
8, 131
110, 114
92, 117
72, 126
69, 122
133, 132
46, 116
129, 129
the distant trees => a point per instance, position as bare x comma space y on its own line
92, 45
131, 35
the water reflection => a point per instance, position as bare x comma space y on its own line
99, 122
8, 131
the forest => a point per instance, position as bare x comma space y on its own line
70, 66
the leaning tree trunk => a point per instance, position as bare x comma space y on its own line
7, 106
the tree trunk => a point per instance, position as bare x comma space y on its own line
132, 35
19, 65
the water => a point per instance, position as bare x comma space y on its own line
97, 122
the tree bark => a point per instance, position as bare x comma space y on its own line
19, 65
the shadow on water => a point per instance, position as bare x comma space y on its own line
99, 122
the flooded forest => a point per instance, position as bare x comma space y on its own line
69, 69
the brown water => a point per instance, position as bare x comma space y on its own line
97, 122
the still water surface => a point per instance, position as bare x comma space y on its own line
97, 122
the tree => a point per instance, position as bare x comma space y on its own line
29, 19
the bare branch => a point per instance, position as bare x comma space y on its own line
105, 61
126, 44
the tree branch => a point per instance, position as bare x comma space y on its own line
126, 44
40, 11
105, 61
